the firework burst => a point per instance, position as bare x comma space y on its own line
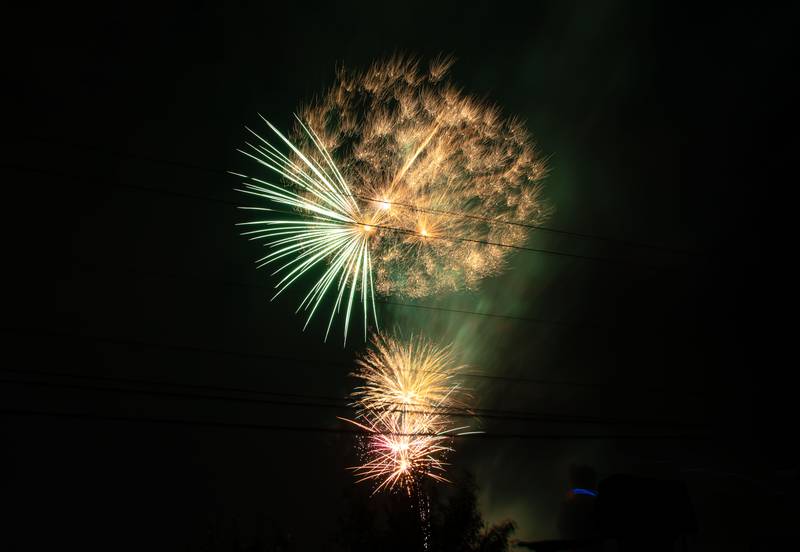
405, 407
434, 162
407, 375
393, 179
330, 229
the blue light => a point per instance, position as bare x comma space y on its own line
584, 492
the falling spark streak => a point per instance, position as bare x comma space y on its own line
333, 232
402, 172
403, 407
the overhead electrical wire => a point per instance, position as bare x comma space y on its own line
262, 355
191, 166
551, 252
335, 430
314, 402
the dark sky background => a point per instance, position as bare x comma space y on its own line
665, 126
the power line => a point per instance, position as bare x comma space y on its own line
378, 226
486, 314
478, 413
163, 191
518, 247
191, 166
188, 276
318, 429
530, 226
441, 309
194, 386
261, 355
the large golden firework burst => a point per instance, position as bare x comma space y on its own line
424, 158
394, 182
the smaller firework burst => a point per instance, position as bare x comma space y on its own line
405, 408
400, 449
406, 376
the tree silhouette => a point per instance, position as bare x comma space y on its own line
496, 538
225, 535
459, 522
424, 523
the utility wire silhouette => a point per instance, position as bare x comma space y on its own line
89, 267
530, 226
192, 166
299, 360
302, 401
337, 430
406, 231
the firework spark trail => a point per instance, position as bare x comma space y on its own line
332, 231
403, 407
416, 162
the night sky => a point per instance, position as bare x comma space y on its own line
140, 346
